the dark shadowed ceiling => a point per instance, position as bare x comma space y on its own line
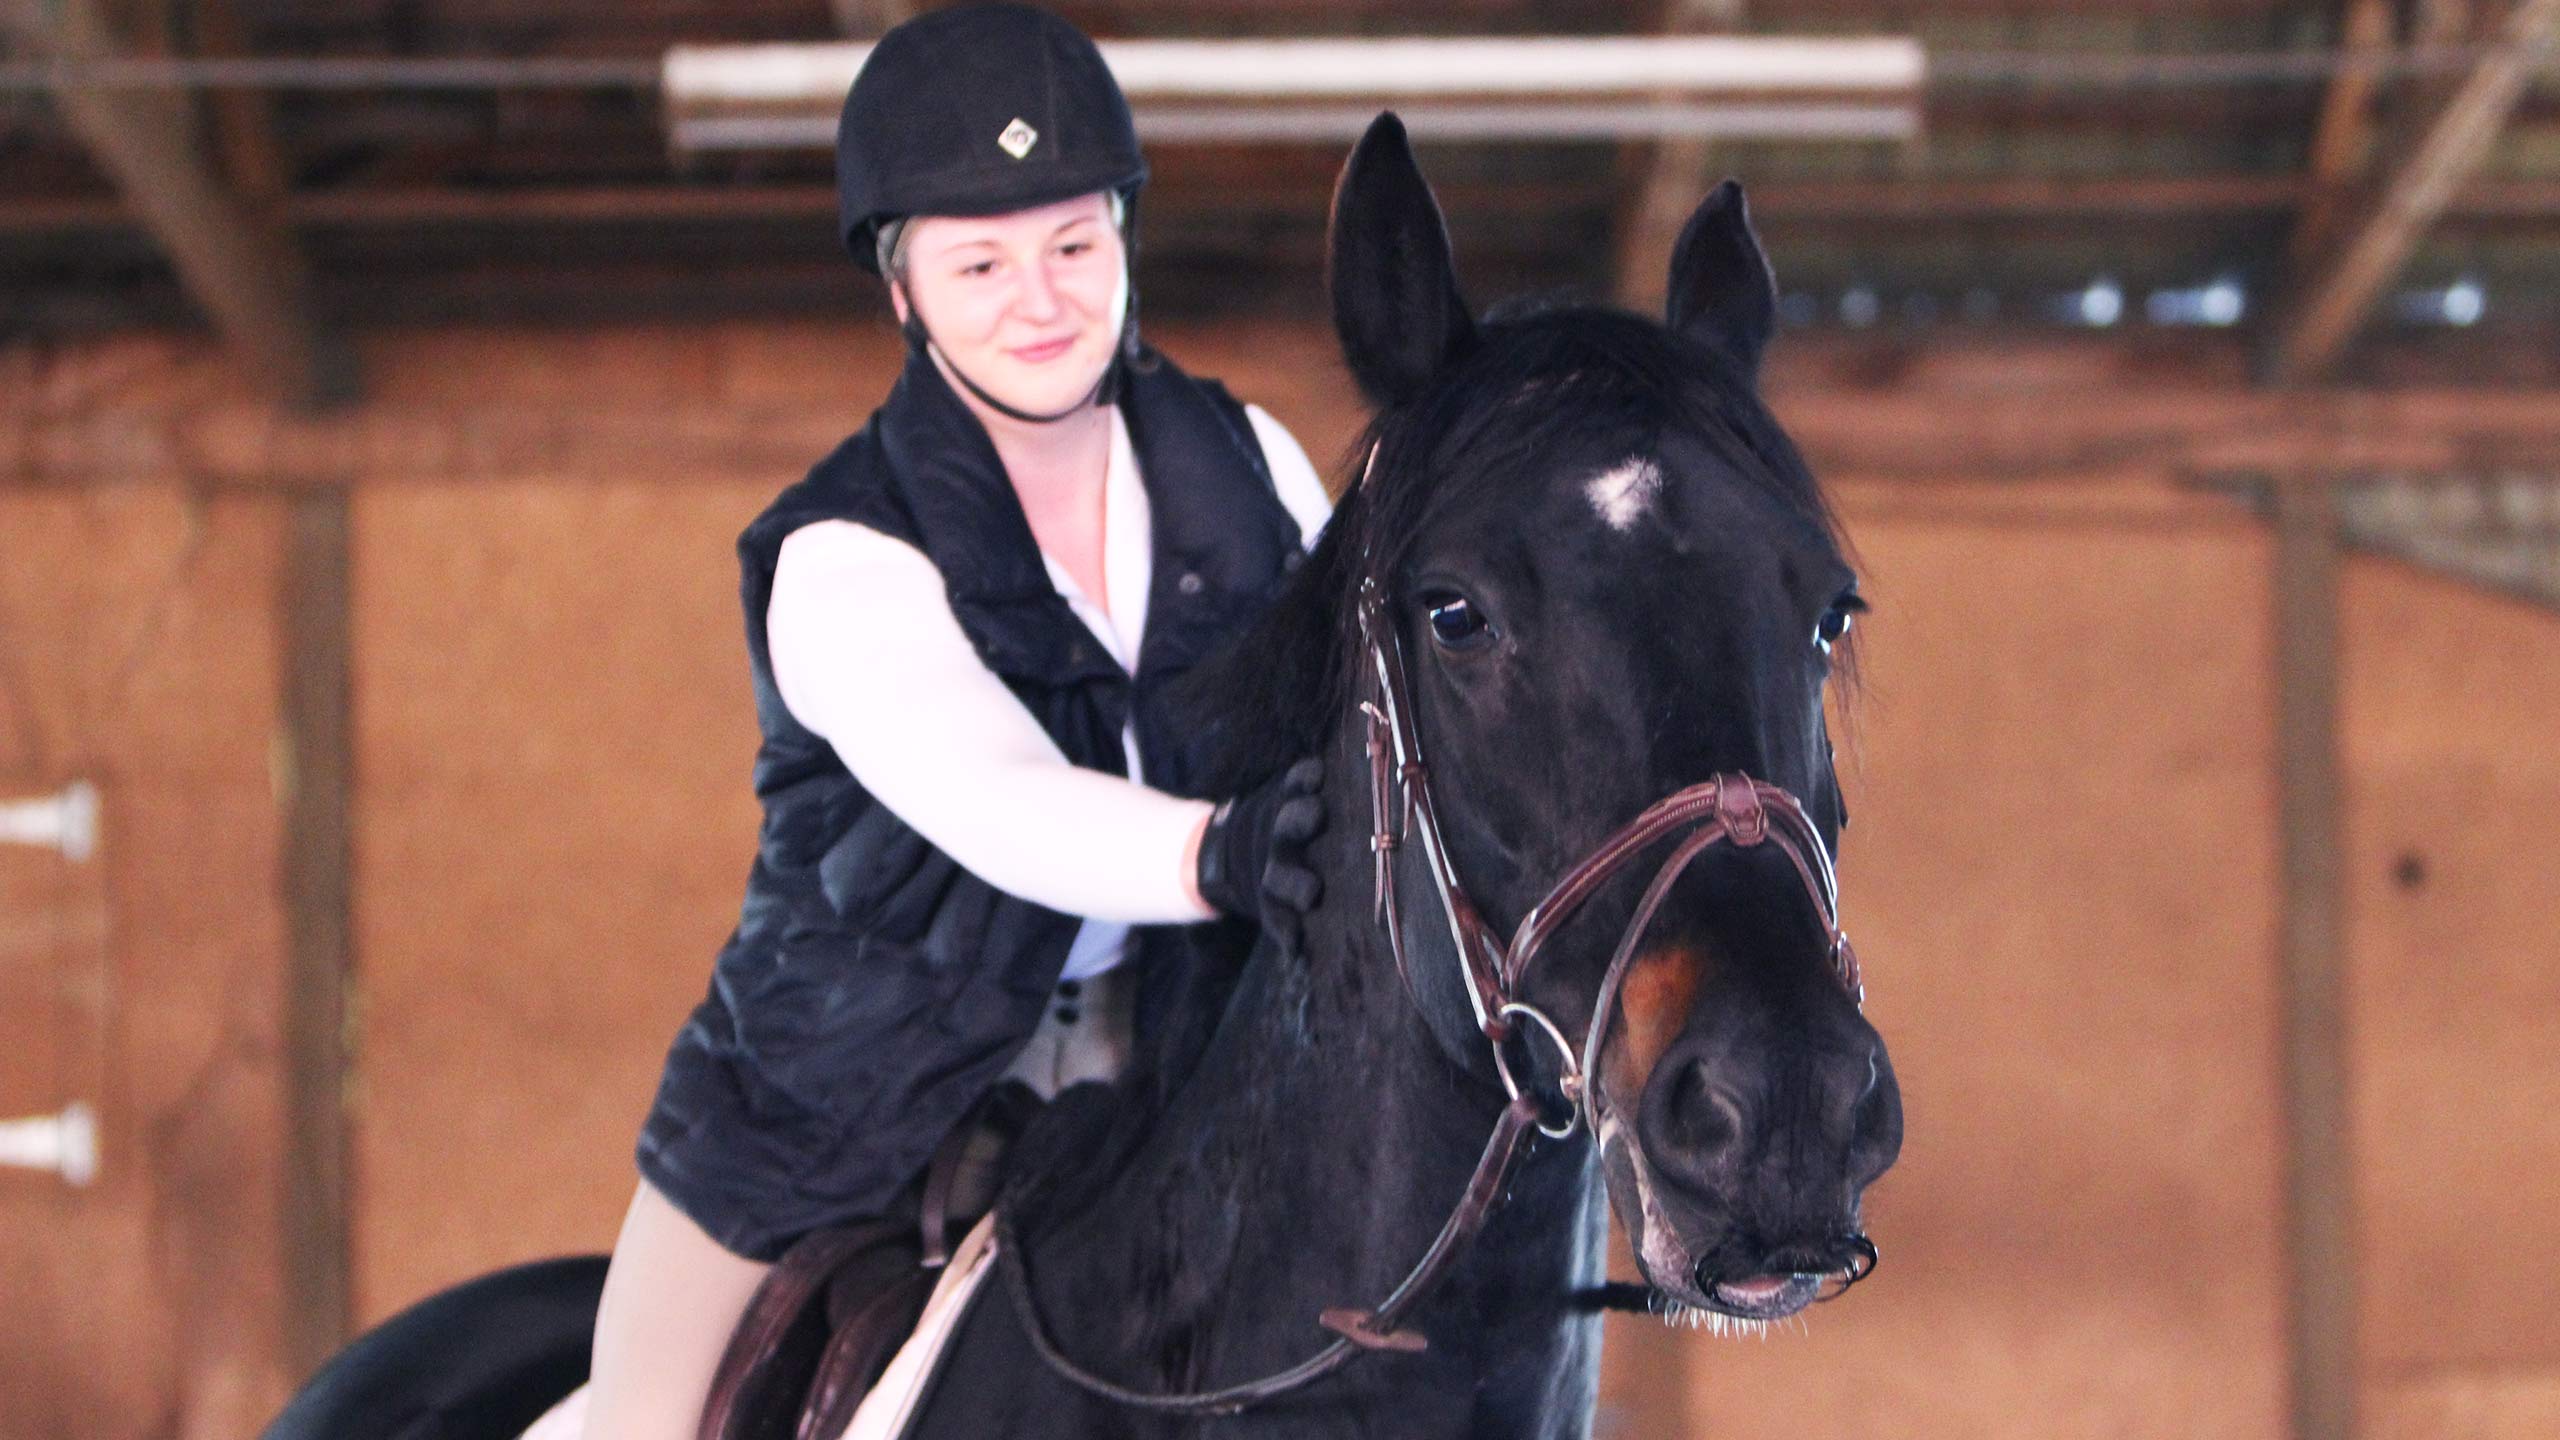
2043, 191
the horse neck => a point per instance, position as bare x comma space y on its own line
1326, 1136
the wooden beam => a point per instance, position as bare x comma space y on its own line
2342, 139
317, 740
1930, 199
242, 273
1918, 200
2334, 303
244, 122
2320, 1179
1992, 412
1671, 175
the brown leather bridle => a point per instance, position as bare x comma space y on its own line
1729, 808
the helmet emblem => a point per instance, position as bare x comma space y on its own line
1018, 138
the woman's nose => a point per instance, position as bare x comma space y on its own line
1038, 299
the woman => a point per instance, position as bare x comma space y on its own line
962, 625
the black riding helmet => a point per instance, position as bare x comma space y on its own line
980, 110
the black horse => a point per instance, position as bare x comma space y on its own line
1603, 577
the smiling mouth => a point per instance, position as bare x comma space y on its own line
1043, 352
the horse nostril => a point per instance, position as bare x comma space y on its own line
1701, 1118
1875, 1134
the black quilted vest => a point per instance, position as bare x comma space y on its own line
873, 988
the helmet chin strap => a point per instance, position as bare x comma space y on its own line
917, 335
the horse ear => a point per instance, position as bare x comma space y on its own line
1722, 292
1395, 290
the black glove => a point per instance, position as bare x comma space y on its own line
1253, 856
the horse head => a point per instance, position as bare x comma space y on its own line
1610, 577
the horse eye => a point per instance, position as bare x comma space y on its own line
1835, 622
1456, 625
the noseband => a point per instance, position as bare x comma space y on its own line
1730, 808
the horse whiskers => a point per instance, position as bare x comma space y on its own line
1689, 1317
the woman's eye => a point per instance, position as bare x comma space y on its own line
1456, 625
1075, 249
982, 268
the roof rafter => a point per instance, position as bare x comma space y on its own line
1672, 174
2342, 139
2337, 297
243, 120
244, 273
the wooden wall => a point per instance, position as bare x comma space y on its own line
137, 649
2062, 876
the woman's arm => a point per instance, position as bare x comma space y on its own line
868, 655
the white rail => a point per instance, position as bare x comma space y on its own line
1371, 69
66, 821
66, 1144
785, 96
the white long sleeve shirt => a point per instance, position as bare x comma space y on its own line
868, 656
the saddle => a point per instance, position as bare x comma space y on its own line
833, 1311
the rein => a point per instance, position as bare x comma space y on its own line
1733, 809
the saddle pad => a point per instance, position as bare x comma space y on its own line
892, 1404
889, 1407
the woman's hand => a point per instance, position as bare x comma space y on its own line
1252, 860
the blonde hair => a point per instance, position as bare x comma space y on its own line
892, 240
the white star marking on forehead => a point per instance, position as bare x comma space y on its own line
1625, 492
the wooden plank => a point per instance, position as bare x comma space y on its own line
2337, 298
1920, 200
2319, 1172
2342, 138
316, 746
1671, 174
1998, 410
243, 274
244, 121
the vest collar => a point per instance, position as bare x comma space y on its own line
1219, 534
969, 522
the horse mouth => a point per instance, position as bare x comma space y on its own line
1685, 1287
1763, 1297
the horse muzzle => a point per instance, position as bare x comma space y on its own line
1739, 1168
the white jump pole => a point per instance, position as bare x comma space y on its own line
66, 1144
784, 96
1368, 68
65, 822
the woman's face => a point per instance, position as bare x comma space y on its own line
1028, 305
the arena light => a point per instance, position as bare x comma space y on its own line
2218, 303
2460, 304
731, 97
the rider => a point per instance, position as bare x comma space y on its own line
962, 626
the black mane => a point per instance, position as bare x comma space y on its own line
1575, 383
